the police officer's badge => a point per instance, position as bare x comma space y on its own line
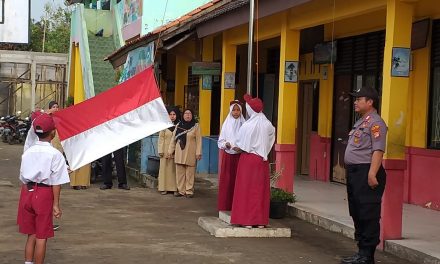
375, 130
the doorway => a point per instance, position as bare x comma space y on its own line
308, 103
342, 109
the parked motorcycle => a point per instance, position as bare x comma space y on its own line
9, 129
2, 128
22, 129
96, 173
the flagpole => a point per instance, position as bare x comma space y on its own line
250, 44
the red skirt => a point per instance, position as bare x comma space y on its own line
226, 184
252, 191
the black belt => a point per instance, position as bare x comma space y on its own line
32, 184
357, 165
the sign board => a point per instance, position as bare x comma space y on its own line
206, 68
291, 71
229, 80
207, 82
400, 62
14, 21
325, 53
137, 61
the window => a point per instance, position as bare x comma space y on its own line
434, 104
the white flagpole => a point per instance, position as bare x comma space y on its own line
251, 41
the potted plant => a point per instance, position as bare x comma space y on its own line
279, 198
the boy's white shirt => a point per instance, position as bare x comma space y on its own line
31, 138
43, 163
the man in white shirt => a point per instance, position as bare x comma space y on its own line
43, 170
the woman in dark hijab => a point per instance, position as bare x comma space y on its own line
188, 151
167, 169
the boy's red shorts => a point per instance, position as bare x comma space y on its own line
35, 212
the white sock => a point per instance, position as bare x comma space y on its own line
28, 262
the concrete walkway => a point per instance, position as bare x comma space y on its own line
325, 204
142, 226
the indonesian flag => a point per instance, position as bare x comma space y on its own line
111, 120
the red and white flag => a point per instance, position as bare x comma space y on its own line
111, 120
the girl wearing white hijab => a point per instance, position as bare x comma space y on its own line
229, 155
250, 206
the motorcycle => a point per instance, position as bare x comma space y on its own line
96, 173
2, 128
9, 129
22, 130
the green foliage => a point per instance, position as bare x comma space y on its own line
277, 194
280, 195
57, 23
36, 40
69, 101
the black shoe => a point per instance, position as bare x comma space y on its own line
189, 196
76, 188
177, 194
105, 187
124, 187
358, 259
350, 259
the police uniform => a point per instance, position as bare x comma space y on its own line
367, 135
42, 166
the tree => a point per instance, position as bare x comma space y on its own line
56, 24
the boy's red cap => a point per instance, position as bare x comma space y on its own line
43, 123
35, 115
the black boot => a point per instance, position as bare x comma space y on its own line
348, 260
364, 260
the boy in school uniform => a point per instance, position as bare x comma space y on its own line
43, 170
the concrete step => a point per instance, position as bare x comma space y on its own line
219, 228
396, 247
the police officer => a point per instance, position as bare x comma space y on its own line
365, 175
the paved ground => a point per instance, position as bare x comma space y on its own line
141, 226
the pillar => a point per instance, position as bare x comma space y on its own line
394, 112
229, 53
78, 90
287, 110
205, 95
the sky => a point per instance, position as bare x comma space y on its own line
175, 9
37, 7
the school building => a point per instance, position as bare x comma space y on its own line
308, 56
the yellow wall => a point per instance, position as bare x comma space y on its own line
229, 52
269, 27
418, 99
357, 25
185, 54
205, 95
182, 65
310, 71
315, 13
